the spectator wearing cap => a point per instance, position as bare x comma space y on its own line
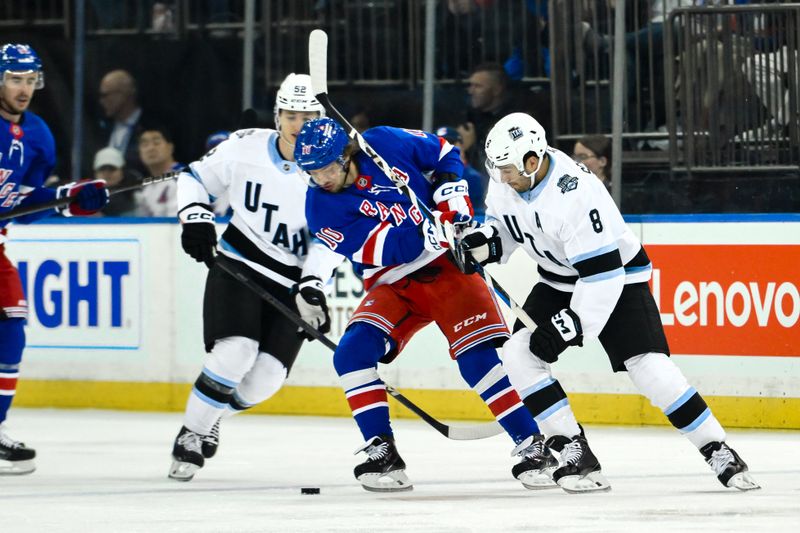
473, 177
109, 165
157, 152
215, 138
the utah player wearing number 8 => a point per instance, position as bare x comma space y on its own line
593, 283
411, 282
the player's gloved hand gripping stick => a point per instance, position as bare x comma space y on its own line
67, 199
318, 67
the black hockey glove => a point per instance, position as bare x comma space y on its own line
481, 244
312, 305
550, 339
199, 237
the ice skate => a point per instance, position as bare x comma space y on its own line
15, 457
579, 470
187, 456
211, 441
730, 469
535, 471
384, 470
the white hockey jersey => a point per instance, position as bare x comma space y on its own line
268, 230
571, 227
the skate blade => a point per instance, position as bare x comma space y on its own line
395, 481
538, 479
591, 482
743, 481
16, 468
181, 471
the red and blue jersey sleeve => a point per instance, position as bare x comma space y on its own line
346, 223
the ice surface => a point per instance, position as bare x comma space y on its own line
104, 471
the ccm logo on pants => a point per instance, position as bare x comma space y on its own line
469, 321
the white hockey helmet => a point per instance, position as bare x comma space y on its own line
511, 139
296, 94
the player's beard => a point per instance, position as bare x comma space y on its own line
11, 108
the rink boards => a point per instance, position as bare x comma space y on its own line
115, 322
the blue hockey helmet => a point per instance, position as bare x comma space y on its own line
320, 142
20, 58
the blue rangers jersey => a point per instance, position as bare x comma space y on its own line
371, 222
27, 155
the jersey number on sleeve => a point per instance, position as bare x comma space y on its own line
597, 225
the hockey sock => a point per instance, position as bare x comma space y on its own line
13, 342
481, 369
663, 383
542, 395
230, 359
355, 360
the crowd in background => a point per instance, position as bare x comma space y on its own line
489, 79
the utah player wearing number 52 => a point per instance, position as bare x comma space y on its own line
593, 283
251, 347
27, 156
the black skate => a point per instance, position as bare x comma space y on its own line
384, 470
15, 457
535, 471
579, 470
187, 456
730, 469
211, 441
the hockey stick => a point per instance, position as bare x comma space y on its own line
59, 202
318, 67
480, 431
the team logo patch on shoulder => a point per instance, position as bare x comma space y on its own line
515, 133
567, 183
363, 183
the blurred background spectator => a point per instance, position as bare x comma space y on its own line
123, 116
156, 150
594, 151
110, 166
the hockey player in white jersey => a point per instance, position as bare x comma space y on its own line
593, 283
251, 346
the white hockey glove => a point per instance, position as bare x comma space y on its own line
550, 339
312, 305
435, 233
199, 236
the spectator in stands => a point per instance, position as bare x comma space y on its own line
594, 151
490, 100
109, 165
156, 150
360, 120
118, 98
215, 138
473, 177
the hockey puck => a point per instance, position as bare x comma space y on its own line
309, 490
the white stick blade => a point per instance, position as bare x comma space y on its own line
318, 61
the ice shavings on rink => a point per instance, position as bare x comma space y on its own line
107, 471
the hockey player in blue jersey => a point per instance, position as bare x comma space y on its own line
410, 280
27, 155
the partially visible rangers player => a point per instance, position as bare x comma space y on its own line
358, 212
27, 155
251, 346
593, 283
